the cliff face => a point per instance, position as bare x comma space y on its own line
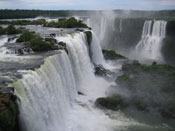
127, 33
168, 45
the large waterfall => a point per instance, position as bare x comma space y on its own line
150, 44
48, 99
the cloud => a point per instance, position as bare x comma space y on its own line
88, 4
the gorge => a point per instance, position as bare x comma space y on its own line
57, 89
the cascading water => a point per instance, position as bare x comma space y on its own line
3, 50
48, 98
45, 95
150, 44
96, 51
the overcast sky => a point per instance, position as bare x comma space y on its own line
88, 4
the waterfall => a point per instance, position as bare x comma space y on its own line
150, 44
102, 28
3, 50
79, 57
45, 95
97, 56
48, 99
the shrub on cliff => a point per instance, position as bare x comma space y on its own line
38, 44
67, 23
111, 55
114, 102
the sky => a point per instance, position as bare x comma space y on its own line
88, 4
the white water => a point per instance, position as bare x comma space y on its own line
48, 95
103, 28
4, 52
150, 44
96, 51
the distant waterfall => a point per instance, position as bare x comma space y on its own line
150, 44
102, 28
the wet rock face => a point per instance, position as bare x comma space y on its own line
8, 111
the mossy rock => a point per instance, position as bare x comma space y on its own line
114, 102
111, 55
123, 77
89, 37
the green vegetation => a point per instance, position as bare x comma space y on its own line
1, 31
67, 23
7, 14
8, 113
112, 55
150, 86
61, 23
36, 42
89, 37
25, 22
10, 30
26, 36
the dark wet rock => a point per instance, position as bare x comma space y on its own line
50, 39
62, 44
80, 93
22, 51
7, 90
101, 71
80, 30
11, 39
53, 35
